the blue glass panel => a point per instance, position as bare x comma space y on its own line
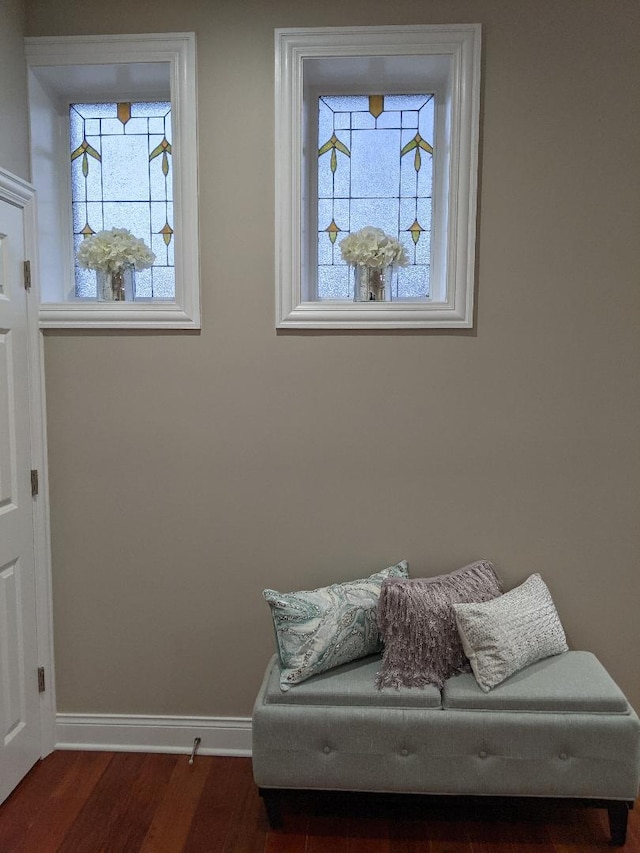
136, 125
95, 215
422, 250
325, 123
159, 211
405, 102
426, 121
407, 241
425, 207
380, 212
111, 127
160, 249
334, 282
342, 120
325, 249
342, 177
156, 125
91, 187
413, 282
347, 103
408, 212
152, 108
124, 169
425, 175
143, 283
341, 213
90, 213
325, 177
164, 282
158, 184
410, 119
375, 166
408, 176
389, 119
325, 213
364, 121
76, 128
134, 216
101, 110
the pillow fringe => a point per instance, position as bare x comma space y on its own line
416, 622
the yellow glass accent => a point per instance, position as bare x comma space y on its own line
334, 144
415, 231
163, 148
333, 231
167, 233
418, 143
83, 149
87, 231
124, 112
376, 105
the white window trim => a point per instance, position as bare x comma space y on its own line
100, 57
298, 53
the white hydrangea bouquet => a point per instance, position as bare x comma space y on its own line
371, 247
113, 250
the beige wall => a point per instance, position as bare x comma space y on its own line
14, 140
190, 471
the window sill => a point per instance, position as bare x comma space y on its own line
389, 315
89, 315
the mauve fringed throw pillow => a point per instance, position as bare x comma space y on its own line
418, 625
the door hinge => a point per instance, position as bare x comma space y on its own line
27, 275
41, 682
34, 483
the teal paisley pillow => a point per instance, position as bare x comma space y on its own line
322, 628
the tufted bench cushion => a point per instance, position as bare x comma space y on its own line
348, 685
560, 728
571, 683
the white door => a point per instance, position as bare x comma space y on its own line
20, 733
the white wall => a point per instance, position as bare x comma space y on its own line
14, 147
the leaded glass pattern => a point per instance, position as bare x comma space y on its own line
375, 167
121, 177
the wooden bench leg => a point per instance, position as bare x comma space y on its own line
272, 807
618, 816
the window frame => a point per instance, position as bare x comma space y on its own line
67, 69
305, 60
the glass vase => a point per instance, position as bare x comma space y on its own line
372, 284
115, 286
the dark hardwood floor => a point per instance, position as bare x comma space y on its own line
98, 802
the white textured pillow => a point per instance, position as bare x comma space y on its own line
516, 629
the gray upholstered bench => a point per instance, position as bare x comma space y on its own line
559, 728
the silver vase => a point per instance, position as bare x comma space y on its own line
372, 284
115, 286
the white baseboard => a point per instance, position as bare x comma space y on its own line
132, 733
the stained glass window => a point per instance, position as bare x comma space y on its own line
375, 167
121, 177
